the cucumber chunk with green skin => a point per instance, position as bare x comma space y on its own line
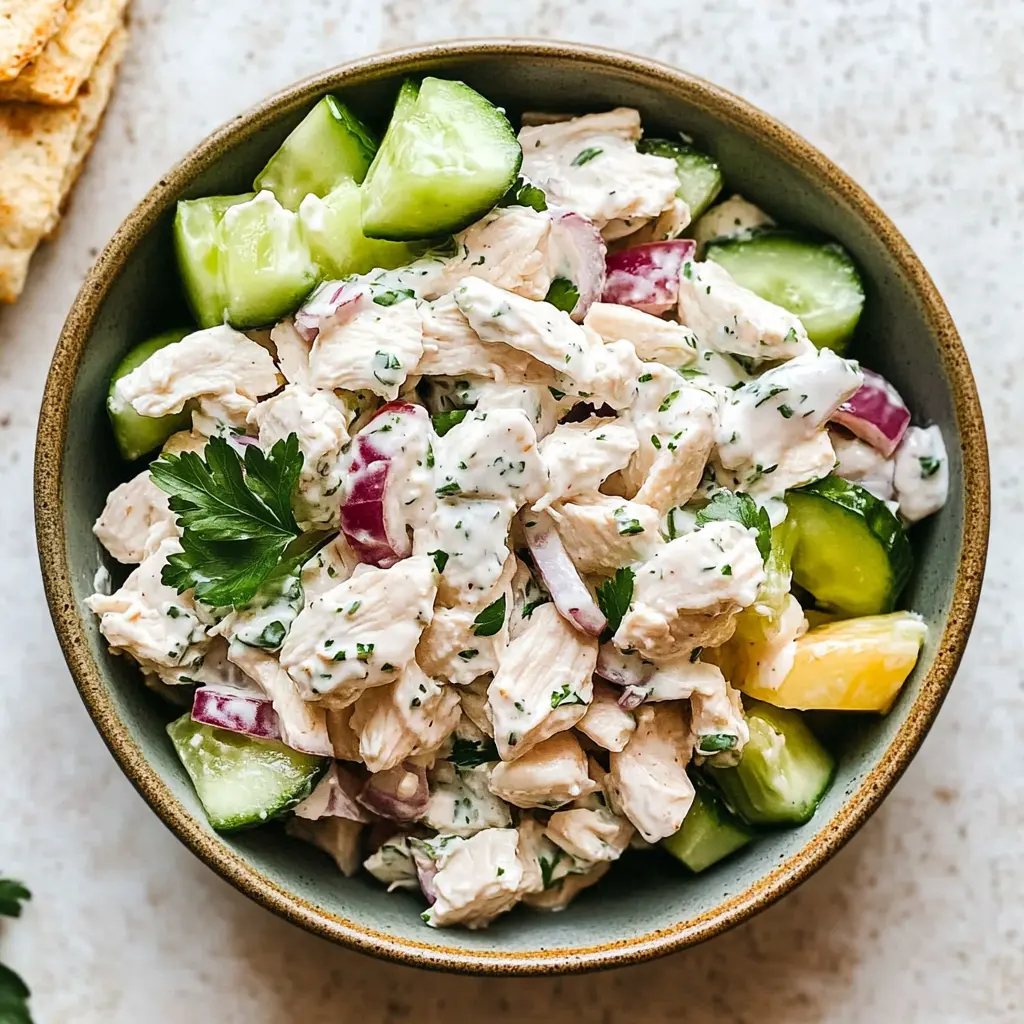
332, 227
138, 435
700, 179
783, 773
708, 833
266, 267
447, 158
850, 551
818, 281
199, 254
330, 146
242, 781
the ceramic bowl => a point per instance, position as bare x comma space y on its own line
648, 905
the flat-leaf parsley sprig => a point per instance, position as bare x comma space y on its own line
14, 992
238, 528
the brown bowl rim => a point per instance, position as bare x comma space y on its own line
231, 866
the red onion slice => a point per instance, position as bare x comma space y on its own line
399, 794
875, 413
426, 869
647, 276
620, 668
560, 577
335, 796
577, 245
337, 301
238, 712
632, 697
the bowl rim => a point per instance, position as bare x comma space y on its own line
859, 805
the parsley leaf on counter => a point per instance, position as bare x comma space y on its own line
740, 508
13, 991
613, 598
12, 895
238, 527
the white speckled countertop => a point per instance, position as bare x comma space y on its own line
920, 918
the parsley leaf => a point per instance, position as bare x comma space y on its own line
740, 508
525, 193
565, 696
389, 298
491, 619
12, 895
13, 998
613, 598
586, 155
238, 527
563, 294
716, 742
472, 753
929, 466
444, 421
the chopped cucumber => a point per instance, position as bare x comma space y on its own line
815, 280
708, 833
851, 552
137, 435
783, 773
447, 158
700, 179
242, 781
332, 227
330, 146
199, 254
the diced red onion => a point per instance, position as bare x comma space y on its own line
647, 276
238, 712
632, 697
335, 796
578, 246
337, 301
875, 413
563, 582
426, 869
620, 668
364, 508
399, 794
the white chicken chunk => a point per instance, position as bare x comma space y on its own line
375, 350
590, 164
473, 699
320, 422
452, 348
490, 455
559, 894
303, 725
602, 533
332, 564
536, 401
414, 715
709, 574
647, 781
718, 724
727, 317
772, 426
461, 802
860, 463
136, 520
579, 457
292, 353
158, 627
653, 339
616, 375
682, 679
590, 834
338, 837
220, 368
476, 880
527, 594
732, 218
184, 441
468, 541
543, 684
393, 865
553, 773
921, 477
450, 648
362, 632
536, 328
806, 460
675, 426
606, 723
545, 865
344, 739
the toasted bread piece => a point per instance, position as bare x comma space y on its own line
26, 26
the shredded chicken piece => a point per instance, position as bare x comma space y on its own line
553, 773
135, 520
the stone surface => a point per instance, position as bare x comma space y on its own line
920, 918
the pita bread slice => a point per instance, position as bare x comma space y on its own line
52, 145
57, 74
25, 28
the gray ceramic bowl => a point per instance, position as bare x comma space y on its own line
648, 905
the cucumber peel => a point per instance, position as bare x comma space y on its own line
700, 178
448, 157
138, 435
817, 281
242, 781
709, 832
850, 551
